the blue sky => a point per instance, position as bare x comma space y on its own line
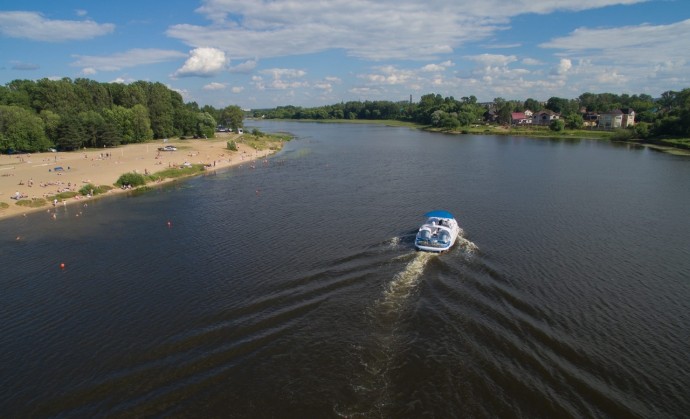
267, 53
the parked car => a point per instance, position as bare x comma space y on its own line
167, 148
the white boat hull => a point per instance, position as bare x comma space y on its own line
437, 234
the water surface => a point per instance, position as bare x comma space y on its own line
292, 289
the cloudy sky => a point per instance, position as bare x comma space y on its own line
266, 53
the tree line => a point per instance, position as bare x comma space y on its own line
71, 114
666, 116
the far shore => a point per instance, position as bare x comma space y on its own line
41, 175
529, 132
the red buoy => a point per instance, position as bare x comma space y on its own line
62, 266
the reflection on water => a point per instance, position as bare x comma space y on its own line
292, 289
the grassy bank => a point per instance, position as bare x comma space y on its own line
534, 131
386, 122
672, 146
526, 131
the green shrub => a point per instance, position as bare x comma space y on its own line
63, 195
557, 125
32, 203
131, 179
93, 190
642, 130
622, 134
4, 205
232, 145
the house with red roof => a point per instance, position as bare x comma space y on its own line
521, 118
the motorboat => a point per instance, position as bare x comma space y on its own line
438, 233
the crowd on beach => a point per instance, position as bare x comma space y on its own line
45, 175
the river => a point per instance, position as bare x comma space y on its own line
290, 288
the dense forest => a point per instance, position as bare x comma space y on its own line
667, 116
71, 114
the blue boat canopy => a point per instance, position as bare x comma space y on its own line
439, 214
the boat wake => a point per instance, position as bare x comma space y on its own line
465, 245
378, 353
404, 283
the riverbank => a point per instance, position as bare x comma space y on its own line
37, 177
530, 132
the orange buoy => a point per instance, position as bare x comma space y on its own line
62, 266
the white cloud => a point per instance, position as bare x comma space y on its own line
278, 73
326, 87
492, 59
361, 27
367, 92
635, 44
503, 46
390, 75
131, 58
280, 79
531, 61
245, 67
428, 32
214, 86
203, 62
643, 58
274, 28
563, 67
611, 77
88, 71
33, 26
237, 89
437, 67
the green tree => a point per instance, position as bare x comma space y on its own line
232, 116
91, 123
161, 110
561, 105
51, 121
557, 125
141, 124
642, 130
19, 93
206, 125
57, 96
574, 121
22, 130
70, 135
94, 95
504, 111
108, 135
533, 105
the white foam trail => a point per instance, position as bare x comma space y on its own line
467, 245
405, 281
372, 384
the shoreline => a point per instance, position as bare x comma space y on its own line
39, 175
499, 131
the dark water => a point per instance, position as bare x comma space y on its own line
293, 290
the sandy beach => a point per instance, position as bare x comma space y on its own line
35, 175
